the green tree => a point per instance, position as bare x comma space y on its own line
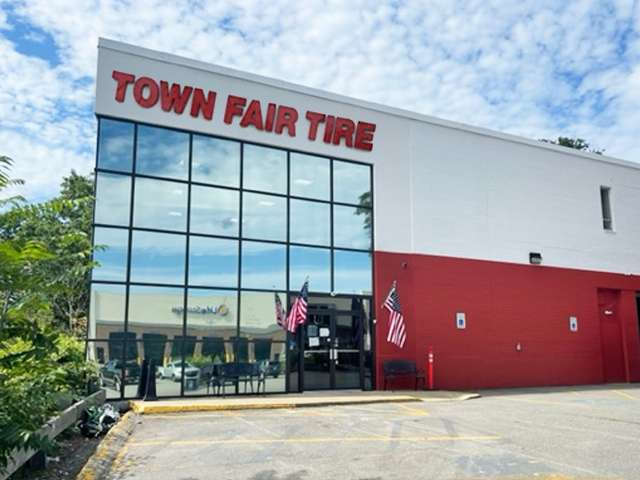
576, 143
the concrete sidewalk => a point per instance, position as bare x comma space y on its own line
308, 399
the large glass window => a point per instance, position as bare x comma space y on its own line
215, 161
157, 310
213, 262
264, 265
212, 317
113, 196
351, 227
162, 152
215, 211
352, 272
314, 263
106, 310
351, 183
310, 222
110, 253
264, 217
264, 169
160, 204
310, 176
158, 258
258, 317
115, 151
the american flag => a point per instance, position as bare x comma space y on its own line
280, 314
298, 313
397, 331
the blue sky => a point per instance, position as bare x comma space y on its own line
534, 68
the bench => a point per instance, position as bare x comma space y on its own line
393, 369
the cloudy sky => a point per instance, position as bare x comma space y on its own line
537, 68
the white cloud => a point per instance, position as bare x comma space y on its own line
538, 69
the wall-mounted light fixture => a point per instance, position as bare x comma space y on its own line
535, 258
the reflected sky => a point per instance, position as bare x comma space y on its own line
352, 272
215, 161
310, 222
115, 151
310, 176
349, 229
264, 169
213, 262
162, 152
158, 258
312, 262
350, 182
160, 204
112, 257
113, 195
263, 265
264, 217
214, 211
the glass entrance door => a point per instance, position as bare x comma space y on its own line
332, 349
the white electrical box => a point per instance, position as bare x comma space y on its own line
461, 320
573, 324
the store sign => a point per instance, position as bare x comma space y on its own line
221, 310
270, 118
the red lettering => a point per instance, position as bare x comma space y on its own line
234, 108
174, 98
152, 90
201, 105
286, 117
328, 129
123, 79
315, 119
364, 136
271, 114
253, 115
344, 129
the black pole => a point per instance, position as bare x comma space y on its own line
150, 393
142, 380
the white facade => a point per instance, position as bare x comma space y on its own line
440, 188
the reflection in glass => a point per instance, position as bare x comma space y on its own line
258, 320
111, 253
113, 195
263, 265
351, 183
106, 310
264, 169
264, 217
312, 262
109, 366
309, 176
351, 229
215, 161
160, 204
310, 222
212, 317
352, 272
214, 211
162, 152
158, 257
115, 151
213, 262
157, 310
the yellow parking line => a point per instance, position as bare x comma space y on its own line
418, 412
547, 402
251, 441
625, 395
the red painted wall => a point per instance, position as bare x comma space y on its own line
504, 304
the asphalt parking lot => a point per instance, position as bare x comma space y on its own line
559, 434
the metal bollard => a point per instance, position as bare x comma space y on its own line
142, 380
150, 393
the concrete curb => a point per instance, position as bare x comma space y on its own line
148, 409
107, 452
459, 398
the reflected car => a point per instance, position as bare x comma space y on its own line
111, 373
173, 370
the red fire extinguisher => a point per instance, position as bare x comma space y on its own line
430, 367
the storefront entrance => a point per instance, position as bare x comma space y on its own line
334, 347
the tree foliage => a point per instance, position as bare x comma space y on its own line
575, 143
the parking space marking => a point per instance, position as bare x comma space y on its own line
417, 412
624, 394
547, 402
253, 441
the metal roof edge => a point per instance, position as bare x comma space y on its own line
376, 107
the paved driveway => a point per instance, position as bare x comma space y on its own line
555, 434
